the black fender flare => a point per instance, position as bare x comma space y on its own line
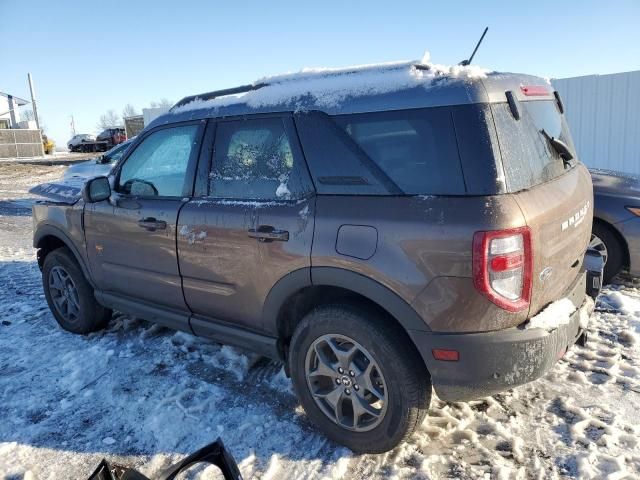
369, 288
48, 230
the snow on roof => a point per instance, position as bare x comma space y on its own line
329, 87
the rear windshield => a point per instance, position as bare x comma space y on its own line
415, 149
528, 157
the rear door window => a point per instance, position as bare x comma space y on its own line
254, 160
416, 149
527, 155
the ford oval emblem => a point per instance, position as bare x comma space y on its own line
545, 274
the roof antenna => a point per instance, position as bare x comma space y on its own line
464, 63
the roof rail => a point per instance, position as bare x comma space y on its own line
219, 93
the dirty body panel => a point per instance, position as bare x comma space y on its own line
423, 252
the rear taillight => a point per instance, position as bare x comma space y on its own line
502, 264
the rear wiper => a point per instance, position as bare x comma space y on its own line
561, 148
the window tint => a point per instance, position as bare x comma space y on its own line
253, 159
527, 156
478, 149
416, 149
158, 166
338, 166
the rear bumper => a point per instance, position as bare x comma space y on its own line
491, 362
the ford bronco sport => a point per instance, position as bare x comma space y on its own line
382, 230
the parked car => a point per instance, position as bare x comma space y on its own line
106, 140
114, 135
98, 166
616, 226
77, 140
381, 230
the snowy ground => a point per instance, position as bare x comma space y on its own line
145, 395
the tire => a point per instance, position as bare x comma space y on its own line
70, 296
612, 246
399, 373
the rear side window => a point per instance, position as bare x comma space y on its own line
416, 149
528, 157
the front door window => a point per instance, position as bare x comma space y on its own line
158, 166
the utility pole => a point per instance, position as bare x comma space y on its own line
73, 127
33, 102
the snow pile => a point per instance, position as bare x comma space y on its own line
623, 303
329, 87
556, 314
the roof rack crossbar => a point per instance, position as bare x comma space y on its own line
220, 93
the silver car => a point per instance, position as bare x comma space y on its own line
616, 222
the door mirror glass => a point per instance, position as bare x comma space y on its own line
140, 188
96, 190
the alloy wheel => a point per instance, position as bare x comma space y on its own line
64, 294
346, 382
597, 244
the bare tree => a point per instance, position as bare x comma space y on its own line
28, 115
163, 102
109, 119
129, 111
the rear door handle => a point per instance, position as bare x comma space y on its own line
266, 233
152, 224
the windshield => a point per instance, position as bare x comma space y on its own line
529, 155
115, 154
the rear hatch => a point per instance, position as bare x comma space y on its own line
553, 190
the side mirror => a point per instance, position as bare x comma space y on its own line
96, 190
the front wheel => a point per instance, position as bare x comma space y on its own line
358, 377
70, 296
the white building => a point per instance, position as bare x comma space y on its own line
9, 114
604, 116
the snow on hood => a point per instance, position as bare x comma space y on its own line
68, 190
329, 87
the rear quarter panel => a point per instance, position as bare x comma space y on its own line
423, 251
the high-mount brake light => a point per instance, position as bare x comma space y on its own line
535, 90
502, 266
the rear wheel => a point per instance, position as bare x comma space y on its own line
357, 378
606, 242
70, 296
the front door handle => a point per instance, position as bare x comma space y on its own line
266, 233
152, 224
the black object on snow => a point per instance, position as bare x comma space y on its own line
215, 453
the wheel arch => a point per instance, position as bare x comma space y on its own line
626, 260
49, 238
300, 291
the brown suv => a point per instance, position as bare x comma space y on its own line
382, 230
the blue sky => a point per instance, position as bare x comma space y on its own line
90, 56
